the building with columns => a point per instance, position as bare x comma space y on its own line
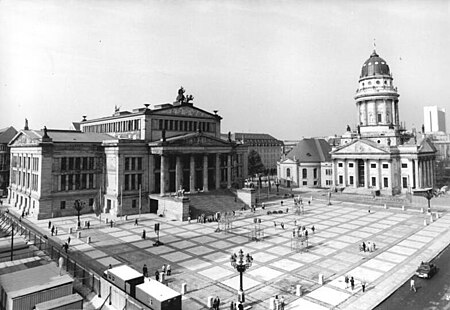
6, 134
379, 154
136, 158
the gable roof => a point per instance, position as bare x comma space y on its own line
7, 134
361, 146
58, 136
311, 150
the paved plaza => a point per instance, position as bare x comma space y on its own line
199, 256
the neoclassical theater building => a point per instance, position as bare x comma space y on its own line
124, 161
379, 154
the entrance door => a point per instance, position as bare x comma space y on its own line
153, 206
361, 175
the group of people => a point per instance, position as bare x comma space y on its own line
369, 247
278, 303
166, 271
351, 281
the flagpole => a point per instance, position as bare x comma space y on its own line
140, 201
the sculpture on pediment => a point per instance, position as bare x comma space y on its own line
181, 97
26, 125
348, 128
45, 133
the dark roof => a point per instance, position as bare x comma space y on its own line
6, 134
375, 65
72, 136
256, 139
311, 150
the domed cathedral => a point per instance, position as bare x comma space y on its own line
379, 155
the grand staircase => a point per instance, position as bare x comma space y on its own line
221, 200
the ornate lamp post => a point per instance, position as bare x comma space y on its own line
241, 263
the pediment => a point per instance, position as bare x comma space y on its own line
184, 110
427, 147
23, 139
195, 140
288, 161
359, 146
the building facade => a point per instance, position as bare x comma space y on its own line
434, 120
380, 154
268, 148
308, 164
124, 161
6, 134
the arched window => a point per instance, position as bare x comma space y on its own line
288, 172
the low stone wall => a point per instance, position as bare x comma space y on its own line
247, 195
176, 208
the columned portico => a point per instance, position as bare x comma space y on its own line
163, 174
229, 170
367, 177
178, 173
217, 171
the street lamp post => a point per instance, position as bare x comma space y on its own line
241, 263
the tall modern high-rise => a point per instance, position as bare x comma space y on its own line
434, 119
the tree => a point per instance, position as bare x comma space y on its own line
97, 206
255, 164
79, 205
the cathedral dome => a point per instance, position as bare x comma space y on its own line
375, 65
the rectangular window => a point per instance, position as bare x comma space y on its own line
127, 163
62, 205
404, 165
385, 182
83, 181
351, 180
315, 173
139, 180
166, 124
91, 202
63, 182
341, 179
304, 173
133, 181
78, 163
139, 163
70, 163
374, 181
405, 182
160, 124
175, 126
85, 163
91, 180
91, 163
63, 164
127, 182
340, 165
133, 203
77, 181
379, 118
385, 166
350, 165
133, 163
305, 183
373, 165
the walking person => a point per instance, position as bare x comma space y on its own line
53, 230
145, 271
88, 224
352, 283
313, 229
111, 223
164, 269
56, 231
232, 305
168, 270
346, 281
157, 275
49, 224
364, 246
412, 285
282, 225
282, 303
143, 234
363, 285
68, 240
136, 222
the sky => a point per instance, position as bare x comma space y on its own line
286, 68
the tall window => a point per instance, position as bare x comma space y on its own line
304, 173
386, 182
288, 173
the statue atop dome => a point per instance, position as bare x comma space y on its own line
182, 99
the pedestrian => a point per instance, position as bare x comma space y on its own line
282, 303
110, 266
88, 224
157, 275
56, 231
68, 240
309, 202
143, 234
282, 225
306, 233
168, 270
295, 222
293, 232
313, 229
111, 223
346, 281
281, 202
214, 305
240, 306
53, 230
276, 303
352, 283
145, 270
373, 246
363, 285
232, 305
364, 246
274, 223
412, 285
369, 246
164, 269
49, 224
136, 222
218, 302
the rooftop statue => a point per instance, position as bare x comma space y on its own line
181, 97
